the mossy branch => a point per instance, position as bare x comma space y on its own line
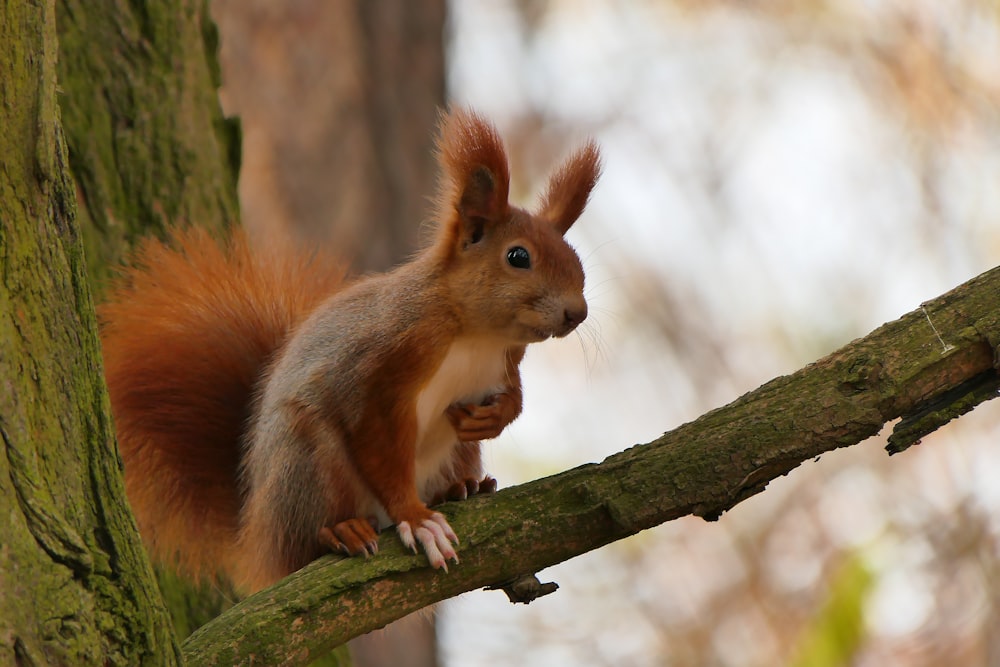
929, 366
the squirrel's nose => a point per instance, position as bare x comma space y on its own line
572, 316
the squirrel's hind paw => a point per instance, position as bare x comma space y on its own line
435, 536
352, 537
465, 488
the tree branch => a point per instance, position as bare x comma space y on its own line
928, 367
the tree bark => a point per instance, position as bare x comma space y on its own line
928, 367
75, 585
148, 148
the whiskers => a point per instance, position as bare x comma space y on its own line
591, 343
589, 333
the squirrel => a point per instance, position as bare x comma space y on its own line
270, 409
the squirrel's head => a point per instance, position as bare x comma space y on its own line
511, 270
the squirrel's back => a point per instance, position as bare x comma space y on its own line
187, 332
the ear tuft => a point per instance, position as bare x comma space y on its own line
475, 178
570, 187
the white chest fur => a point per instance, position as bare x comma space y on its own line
472, 369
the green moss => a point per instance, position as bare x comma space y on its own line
82, 589
148, 144
192, 605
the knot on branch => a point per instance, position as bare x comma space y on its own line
525, 589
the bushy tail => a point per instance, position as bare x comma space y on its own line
187, 332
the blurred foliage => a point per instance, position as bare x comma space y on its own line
839, 629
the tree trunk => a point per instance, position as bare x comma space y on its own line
75, 585
148, 145
148, 148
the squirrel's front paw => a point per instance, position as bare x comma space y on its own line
484, 421
434, 535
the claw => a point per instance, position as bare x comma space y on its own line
435, 536
465, 488
406, 535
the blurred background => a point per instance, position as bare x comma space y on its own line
781, 177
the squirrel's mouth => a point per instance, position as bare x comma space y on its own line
562, 331
539, 334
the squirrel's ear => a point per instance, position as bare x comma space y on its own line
569, 188
475, 178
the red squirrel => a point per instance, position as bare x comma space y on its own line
269, 410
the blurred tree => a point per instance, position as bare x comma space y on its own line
338, 103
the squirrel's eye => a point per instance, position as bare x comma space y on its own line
519, 258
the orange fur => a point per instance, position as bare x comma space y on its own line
471, 153
570, 187
187, 331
